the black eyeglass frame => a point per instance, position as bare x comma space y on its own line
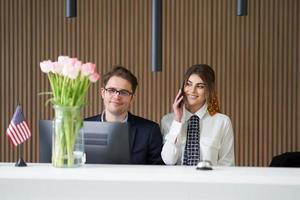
123, 93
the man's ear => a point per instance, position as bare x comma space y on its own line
132, 98
102, 91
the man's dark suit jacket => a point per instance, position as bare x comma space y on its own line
145, 139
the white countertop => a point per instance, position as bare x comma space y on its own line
148, 182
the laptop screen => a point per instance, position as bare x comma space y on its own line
104, 142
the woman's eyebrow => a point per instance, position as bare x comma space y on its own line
201, 83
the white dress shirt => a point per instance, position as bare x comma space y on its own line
103, 118
216, 138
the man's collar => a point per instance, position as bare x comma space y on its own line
103, 119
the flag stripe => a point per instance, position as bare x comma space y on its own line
27, 128
13, 136
12, 133
23, 130
20, 131
17, 133
22, 125
12, 139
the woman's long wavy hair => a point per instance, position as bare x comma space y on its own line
207, 74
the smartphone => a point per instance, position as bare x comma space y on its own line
182, 94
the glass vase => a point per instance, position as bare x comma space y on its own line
68, 142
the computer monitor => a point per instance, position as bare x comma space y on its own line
104, 142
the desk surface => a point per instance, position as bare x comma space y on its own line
42, 181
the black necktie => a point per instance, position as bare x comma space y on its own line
192, 146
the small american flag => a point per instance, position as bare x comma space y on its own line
18, 130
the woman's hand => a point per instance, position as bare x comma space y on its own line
178, 106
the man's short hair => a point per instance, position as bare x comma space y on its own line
124, 73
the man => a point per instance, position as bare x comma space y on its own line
145, 138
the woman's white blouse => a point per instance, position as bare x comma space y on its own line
216, 138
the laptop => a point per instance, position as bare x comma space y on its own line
104, 142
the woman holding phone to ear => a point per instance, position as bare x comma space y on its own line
196, 130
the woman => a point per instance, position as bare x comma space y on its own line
196, 130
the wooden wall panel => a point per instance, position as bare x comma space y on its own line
35, 30
256, 59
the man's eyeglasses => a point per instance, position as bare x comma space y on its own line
123, 93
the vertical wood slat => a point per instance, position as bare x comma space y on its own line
256, 60
2, 76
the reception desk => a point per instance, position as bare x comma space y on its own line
42, 181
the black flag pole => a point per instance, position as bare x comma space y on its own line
20, 162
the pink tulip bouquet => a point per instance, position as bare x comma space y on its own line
69, 80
